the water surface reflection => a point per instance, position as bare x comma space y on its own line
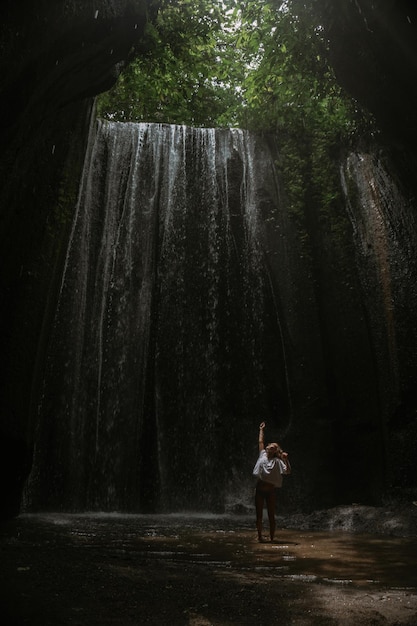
230, 541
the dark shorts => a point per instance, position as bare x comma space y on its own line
265, 490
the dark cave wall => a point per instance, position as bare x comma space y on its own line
373, 50
385, 239
56, 56
347, 286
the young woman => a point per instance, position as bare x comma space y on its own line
272, 463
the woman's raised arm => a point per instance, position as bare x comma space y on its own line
261, 436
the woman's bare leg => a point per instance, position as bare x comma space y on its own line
270, 503
259, 506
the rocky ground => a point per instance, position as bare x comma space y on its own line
347, 566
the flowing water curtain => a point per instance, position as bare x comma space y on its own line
158, 344
208, 347
187, 326
92, 404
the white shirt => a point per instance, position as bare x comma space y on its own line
269, 470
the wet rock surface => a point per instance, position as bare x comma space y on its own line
197, 571
397, 520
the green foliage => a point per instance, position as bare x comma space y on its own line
187, 74
257, 64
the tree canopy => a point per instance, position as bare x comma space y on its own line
255, 64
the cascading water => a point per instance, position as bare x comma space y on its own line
167, 348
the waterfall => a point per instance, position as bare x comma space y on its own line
167, 348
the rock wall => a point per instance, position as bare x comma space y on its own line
55, 56
373, 49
